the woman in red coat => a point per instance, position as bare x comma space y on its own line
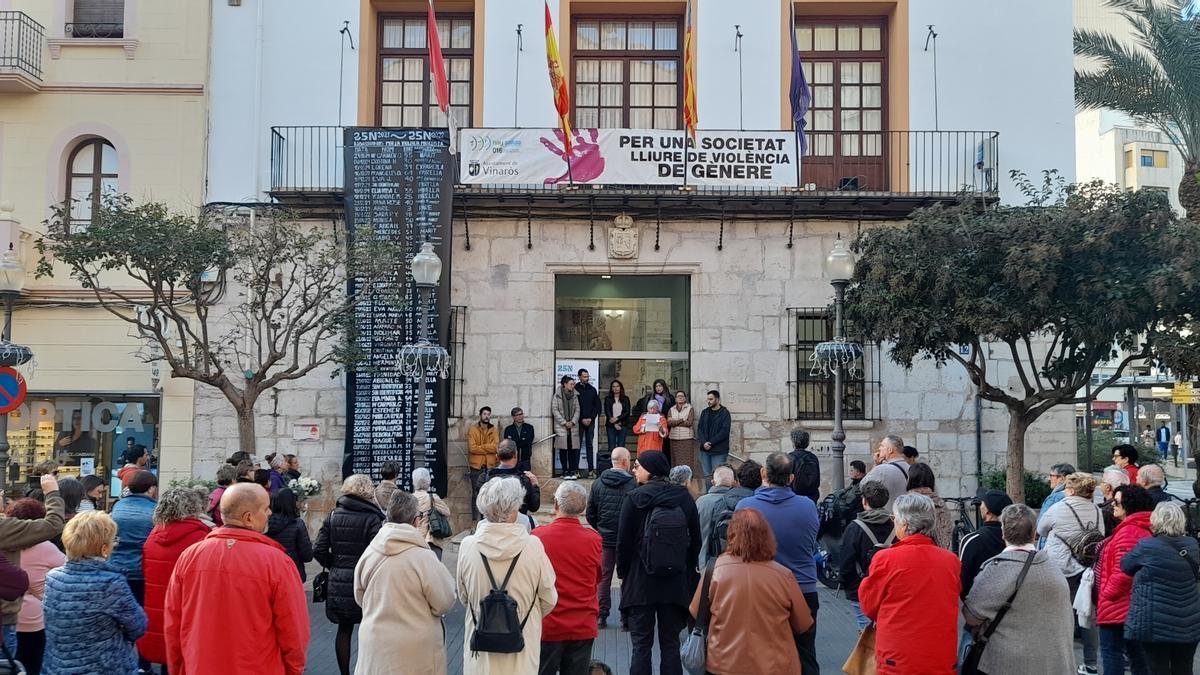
177, 525
1132, 506
911, 594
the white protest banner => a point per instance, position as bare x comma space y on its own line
571, 367
765, 159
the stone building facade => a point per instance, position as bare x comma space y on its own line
742, 339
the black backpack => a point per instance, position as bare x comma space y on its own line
806, 473
876, 545
665, 542
497, 629
718, 535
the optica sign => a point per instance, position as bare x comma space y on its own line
94, 415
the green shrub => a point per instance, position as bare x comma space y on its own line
1103, 441
1037, 486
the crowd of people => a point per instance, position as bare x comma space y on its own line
148, 585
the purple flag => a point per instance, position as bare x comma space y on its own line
799, 93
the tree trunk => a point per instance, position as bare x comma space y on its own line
1189, 191
1014, 482
246, 438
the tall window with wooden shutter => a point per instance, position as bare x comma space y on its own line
97, 19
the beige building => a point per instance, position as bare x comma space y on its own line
96, 96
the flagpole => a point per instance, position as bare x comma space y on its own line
796, 129
685, 159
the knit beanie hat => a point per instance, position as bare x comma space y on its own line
654, 462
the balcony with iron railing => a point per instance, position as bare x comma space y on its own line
892, 170
22, 41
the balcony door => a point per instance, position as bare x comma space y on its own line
845, 63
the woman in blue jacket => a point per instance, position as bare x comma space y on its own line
1164, 612
92, 619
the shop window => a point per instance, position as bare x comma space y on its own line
406, 94
627, 72
97, 19
813, 392
91, 175
85, 434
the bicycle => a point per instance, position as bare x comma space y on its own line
964, 523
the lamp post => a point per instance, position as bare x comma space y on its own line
12, 280
840, 265
416, 360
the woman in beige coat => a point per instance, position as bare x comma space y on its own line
500, 539
404, 591
427, 501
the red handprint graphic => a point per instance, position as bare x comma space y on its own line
584, 163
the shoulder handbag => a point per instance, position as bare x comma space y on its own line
971, 662
439, 524
862, 658
694, 651
1191, 562
320, 586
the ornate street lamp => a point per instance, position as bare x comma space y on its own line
418, 359
836, 355
12, 280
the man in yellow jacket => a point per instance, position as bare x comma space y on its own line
482, 439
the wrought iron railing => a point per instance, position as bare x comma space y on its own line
92, 29
457, 343
21, 41
308, 159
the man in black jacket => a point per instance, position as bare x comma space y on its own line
521, 434
604, 515
506, 458
589, 410
712, 435
984, 543
858, 547
648, 596
806, 468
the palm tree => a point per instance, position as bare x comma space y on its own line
1154, 77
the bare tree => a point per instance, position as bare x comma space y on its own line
239, 299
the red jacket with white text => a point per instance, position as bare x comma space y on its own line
236, 605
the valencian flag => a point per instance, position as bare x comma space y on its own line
689, 74
558, 82
437, 68
798, 93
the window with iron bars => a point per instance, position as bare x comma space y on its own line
813, 393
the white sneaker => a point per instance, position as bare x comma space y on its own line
1084, 670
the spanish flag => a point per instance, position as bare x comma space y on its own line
558, 82
689, 74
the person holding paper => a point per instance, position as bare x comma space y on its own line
651, 428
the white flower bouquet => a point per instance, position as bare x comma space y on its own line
304, 487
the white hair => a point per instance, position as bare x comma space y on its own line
916, 511
1169, 520
500, 498
652, 403
723, 476
421, 479
278, 461
680, 475
571, 498
1115, 476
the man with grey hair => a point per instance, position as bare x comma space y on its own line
806, 468
1151, 477
507, 465
575, 553
892, 470
1058, 478
604, 515
912, 590
1034, 635
680, 475
717, 506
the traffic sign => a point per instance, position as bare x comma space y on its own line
1184, 393
12, 390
